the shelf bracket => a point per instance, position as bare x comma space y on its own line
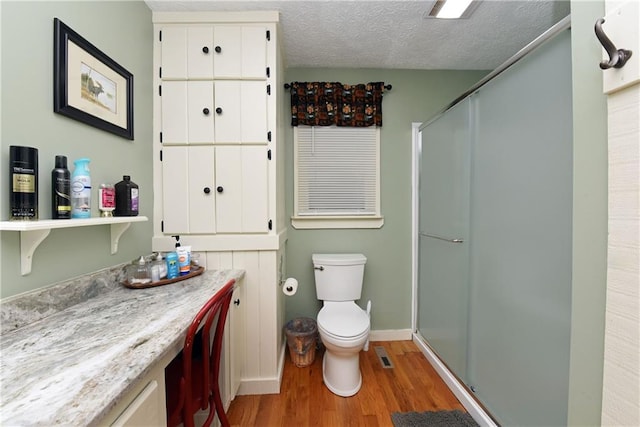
29, 242
116, 232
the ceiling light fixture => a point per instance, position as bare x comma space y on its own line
452, 9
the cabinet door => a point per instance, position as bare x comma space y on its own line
188, 196
255, 200
254, 52
200, 55
175, 182
241, 52
253, 104
187, 112
200, 112
147, 409
242, 205
228, 127
236, 340
187, 52
174, 112
229, 189
173, 47
241, 112
202, 199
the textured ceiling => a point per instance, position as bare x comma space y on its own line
394, 34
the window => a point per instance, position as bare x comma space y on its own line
337, 177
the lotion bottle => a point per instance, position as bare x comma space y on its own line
81, 190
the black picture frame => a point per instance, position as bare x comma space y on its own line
88, 85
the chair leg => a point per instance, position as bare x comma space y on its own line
217, 400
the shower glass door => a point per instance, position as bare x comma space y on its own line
443, 272
495, 238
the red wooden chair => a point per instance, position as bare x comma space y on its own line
192, 378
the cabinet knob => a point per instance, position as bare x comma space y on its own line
205, 111
218, 49
207, 190
237, 302
219, 110
205, 49
220, 189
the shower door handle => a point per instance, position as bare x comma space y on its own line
433, 236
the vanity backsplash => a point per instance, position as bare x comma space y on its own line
23, 309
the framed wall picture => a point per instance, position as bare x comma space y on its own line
88, 85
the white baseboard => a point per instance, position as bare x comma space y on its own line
264, 385
390, 335
470, 404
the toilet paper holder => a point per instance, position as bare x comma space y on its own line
289, 288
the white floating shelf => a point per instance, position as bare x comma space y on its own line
32, 233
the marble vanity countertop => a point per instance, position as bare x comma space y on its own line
73, 366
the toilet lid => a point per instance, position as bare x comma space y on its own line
343, 320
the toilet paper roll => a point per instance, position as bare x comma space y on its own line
290, 286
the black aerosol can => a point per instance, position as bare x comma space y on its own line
23, 182
61, 190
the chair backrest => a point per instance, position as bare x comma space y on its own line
214, 312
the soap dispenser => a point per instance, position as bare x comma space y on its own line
139, 272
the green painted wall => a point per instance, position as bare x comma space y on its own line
123, 30
416, 95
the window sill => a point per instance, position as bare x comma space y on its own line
317, 222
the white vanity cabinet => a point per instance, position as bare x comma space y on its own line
218, 148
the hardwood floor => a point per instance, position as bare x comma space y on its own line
412, 385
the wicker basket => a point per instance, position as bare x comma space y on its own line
301, 340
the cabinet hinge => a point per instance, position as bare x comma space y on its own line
160, 35
162, 226
268, 72
270, 225
160, 90
268, 89
268, 35
269, 154
269, 136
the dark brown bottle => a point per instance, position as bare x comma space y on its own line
126, 197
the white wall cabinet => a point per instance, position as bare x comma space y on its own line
210, 190
218, 180
220, 112
220, 51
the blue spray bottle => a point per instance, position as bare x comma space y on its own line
81, 190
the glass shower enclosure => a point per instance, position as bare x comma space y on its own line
494, 244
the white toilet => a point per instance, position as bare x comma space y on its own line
342, 324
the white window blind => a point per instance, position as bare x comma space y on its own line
337, 171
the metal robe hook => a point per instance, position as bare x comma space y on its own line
617, 57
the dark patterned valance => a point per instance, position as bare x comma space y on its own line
326, 104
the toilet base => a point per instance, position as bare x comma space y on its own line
341, 374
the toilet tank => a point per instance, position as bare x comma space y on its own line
338, 276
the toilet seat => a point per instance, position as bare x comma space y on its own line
343, 319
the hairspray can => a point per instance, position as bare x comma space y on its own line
23, 182
60, 190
